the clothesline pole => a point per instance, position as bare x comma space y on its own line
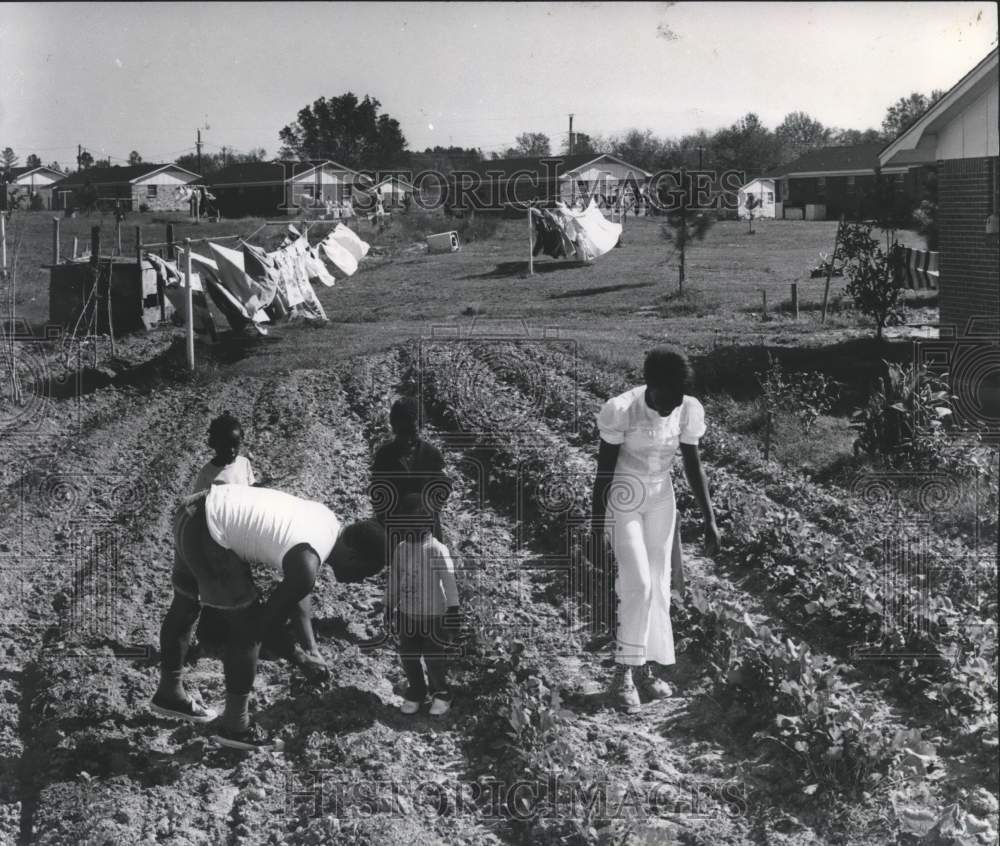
531, 250
189, 299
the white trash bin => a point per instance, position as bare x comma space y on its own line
445, 242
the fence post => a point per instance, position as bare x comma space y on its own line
795, 300
95, 264
171, 255
55, 240
531, 247
3, 238
829, 269
189, 299
763, 294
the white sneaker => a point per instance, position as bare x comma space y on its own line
409, 707
439, 707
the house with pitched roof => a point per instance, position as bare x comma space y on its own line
284, 187
958, 138
828, 182
154, 187
498, 183
30, 183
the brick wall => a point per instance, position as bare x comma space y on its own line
970, 258
167, 199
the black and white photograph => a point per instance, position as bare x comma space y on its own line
499, 423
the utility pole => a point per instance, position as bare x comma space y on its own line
79, 155
198, 148
570, 146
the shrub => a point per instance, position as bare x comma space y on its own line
871, 283
477, 227
904, 414
143, 208
806, 395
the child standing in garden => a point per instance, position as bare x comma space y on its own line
227, 466
422, 604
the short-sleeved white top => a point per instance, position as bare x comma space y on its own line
238, 473
648, 441
260, 525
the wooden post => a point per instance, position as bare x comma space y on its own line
95, 264
763, 295
189, 299
829, 269
118, 235
3, 238
76, 246
531, 247
55, 240
795, 300
171, 255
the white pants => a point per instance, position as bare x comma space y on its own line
642, 537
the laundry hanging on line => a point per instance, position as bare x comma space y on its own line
561, 232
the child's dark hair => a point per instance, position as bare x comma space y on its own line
404, 413
668, 367
221, 426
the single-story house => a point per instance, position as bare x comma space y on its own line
828, 182
501, 182
762, 190
394, 190
284, 187
958, 137
30, 182
155, 187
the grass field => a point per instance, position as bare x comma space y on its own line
779, 730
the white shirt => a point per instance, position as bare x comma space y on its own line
422, 578
238, 473
261, 525
649, 442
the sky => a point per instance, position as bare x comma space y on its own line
118, 77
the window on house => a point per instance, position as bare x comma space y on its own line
151, 192
770, 196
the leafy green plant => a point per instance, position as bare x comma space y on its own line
871, 282
906, 410
806, 395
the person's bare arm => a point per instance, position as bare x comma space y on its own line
607, 458
300, 567
699, 487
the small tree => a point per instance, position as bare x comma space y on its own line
806, 395
134, 158
684, 225
84, 160
871, 283
8, 159
33, 161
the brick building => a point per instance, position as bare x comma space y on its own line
284, 187
828, 182
156, 187
958, 135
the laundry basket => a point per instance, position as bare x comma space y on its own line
445, 242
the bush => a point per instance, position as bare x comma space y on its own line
37, 203
143, 208
477, 227
906, 409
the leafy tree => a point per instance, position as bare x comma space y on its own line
906, 110
638, 147
55, 166
531, 144
444, 160
213, 162
747, 145
871, 283
850, 137
583, 144
33, 161
925, 215
84, 160
346, 130
8, 159
684, 226
134, 158
798, 133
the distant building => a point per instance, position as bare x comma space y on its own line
157, 187
394, 190
958, 137
30, 182
828, 182
502, 182
273, 188
762, 190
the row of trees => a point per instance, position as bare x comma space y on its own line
745, 145
355, 132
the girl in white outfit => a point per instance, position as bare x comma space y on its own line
634, 511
